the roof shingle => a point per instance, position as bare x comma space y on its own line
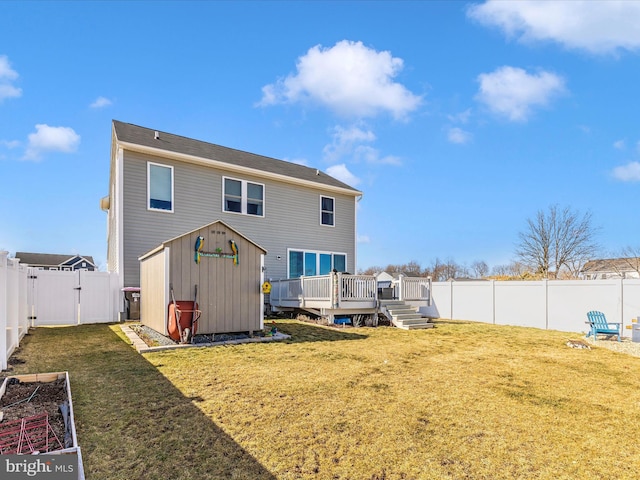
134, 134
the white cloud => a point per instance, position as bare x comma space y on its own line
350, 142
457, 135
595, 26
46, 138
364, 239
342, 173
513, 93
627, 173
619, 145
462, 117
345, 141
10, 143
372, 155
7, 76
101, 102
349, 79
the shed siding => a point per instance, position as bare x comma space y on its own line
153, 301
228, 295
292, 215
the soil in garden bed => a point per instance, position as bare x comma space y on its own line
22, 400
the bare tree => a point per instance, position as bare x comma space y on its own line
479, 268
555, 239
513, 271
631, 256
370, 270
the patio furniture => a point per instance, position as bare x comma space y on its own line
599, 325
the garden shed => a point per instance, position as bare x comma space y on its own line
227, 269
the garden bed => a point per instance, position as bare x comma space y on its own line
37, 416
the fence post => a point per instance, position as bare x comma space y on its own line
13, 307
493, 300
622, 304
546, 304
3, 310
23, 305
451, 298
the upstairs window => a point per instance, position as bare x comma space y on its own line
243, 197
160, 187
327, 211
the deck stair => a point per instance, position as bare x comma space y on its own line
403, 315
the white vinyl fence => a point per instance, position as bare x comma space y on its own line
547, 304
31, 297
13, 306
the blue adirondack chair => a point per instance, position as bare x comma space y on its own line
599, 325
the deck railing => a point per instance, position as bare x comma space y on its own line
414, 288
358, 288
342, 290
316, 288
284, 291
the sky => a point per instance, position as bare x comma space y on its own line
457, 120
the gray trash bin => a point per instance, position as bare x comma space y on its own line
635, 332
132, 300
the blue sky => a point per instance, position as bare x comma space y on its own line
458, 120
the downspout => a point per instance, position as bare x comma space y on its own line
355, 231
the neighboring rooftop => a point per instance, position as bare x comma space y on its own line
134, 134
612, 265
52, 259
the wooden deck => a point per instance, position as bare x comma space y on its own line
339, 294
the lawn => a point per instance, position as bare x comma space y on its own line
460, 401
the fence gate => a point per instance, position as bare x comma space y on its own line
69, 298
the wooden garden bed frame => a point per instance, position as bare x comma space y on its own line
52, 377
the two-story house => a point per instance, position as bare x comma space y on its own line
163, 185
54, 261
606, 268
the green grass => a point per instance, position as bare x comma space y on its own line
461, 401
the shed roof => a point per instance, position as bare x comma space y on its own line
176, 144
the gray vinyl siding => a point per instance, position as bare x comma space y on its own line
291, 215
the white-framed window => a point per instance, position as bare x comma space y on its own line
310, 263
159, 187
241, 196
327, 211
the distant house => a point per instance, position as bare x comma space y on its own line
163, 185
606, 268
384, 279
52, 261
